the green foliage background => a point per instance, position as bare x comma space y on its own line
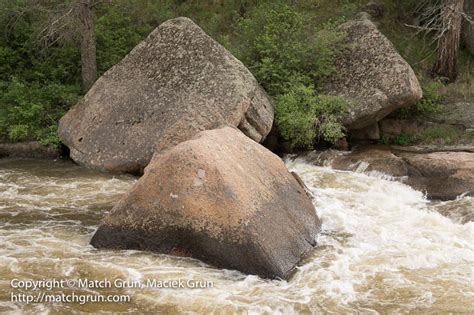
288, 45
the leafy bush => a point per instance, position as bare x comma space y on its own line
30, 111
404, 139
442, 135
303, 117
278, 44
38, 84
290, 57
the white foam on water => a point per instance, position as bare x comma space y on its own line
384, 249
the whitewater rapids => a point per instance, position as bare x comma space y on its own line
384, 248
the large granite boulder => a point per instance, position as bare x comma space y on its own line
175, 83
372, 76
221, 198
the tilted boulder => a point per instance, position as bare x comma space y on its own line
175, 83
372, 76
442, 175
221, 198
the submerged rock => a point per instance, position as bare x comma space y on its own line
175, 83
221, 198
371, 74
441, 175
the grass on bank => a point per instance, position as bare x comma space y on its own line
439, 135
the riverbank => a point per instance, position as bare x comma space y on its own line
31, 149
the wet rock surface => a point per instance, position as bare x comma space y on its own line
441, 175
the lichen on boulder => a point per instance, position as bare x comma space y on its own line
371, 75
174, 84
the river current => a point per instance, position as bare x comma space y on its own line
384, 249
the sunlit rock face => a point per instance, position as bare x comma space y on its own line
221, 198
175, 83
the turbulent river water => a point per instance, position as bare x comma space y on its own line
384, 249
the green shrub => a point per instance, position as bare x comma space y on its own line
404, 139
278, 43
442, 135
290, 56
30, 111
303, 117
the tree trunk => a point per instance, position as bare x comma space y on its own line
448, 42
401, 14
88, 53
468, 28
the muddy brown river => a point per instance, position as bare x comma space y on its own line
384, 249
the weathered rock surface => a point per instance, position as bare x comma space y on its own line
362, 159
431, 148
442, 175
221, 198
372, 76
175, 83
460, 210
32, 149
